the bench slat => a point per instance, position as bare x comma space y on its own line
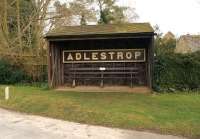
85, 73
97, 69
102, 78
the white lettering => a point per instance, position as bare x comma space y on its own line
70, 57
111, 55
137, 55
103, 56
85, 57
94, 56
120, 56
129, 55
107, 55
78, 56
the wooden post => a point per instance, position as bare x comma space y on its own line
49, 63
62, 68
131, 80
152, 62
102, 84
53, 67
7, 93
102, 69
74, 83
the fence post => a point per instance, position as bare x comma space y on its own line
7, 93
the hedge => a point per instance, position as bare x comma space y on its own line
10, 74
177, 72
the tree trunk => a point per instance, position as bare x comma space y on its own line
5, 16
4, 32
19, 26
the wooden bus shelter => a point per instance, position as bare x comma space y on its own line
101, 55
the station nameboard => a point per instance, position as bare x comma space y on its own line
111, 55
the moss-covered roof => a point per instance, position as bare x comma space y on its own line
101, 29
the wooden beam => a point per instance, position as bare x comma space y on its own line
94, 38
49, 63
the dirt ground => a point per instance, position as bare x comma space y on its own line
142, 89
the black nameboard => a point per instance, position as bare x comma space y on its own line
111, 55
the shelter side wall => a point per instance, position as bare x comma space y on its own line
55, 66
150, 63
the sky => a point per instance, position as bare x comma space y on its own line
178, 16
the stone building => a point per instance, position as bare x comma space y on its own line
169, 36
188, 44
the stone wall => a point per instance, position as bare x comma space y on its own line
188, 44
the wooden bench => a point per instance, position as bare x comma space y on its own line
102, 73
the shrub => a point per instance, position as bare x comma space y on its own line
177, 72
10, 74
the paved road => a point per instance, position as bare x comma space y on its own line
20, 126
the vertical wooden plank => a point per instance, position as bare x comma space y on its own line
59, 66
62, 68
56, 66
152, 61
149, 64
53, 66
49, 61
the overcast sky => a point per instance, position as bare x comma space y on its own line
178, 16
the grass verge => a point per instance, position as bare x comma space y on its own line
177, 114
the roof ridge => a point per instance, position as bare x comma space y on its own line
125, 28
108, 24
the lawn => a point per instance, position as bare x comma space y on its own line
177, 114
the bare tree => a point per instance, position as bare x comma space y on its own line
19, 25
83, 10
29, 28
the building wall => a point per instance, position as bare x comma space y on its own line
188, 44
182, 46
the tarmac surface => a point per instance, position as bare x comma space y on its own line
15, 125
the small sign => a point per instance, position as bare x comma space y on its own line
112, 55
102, 68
